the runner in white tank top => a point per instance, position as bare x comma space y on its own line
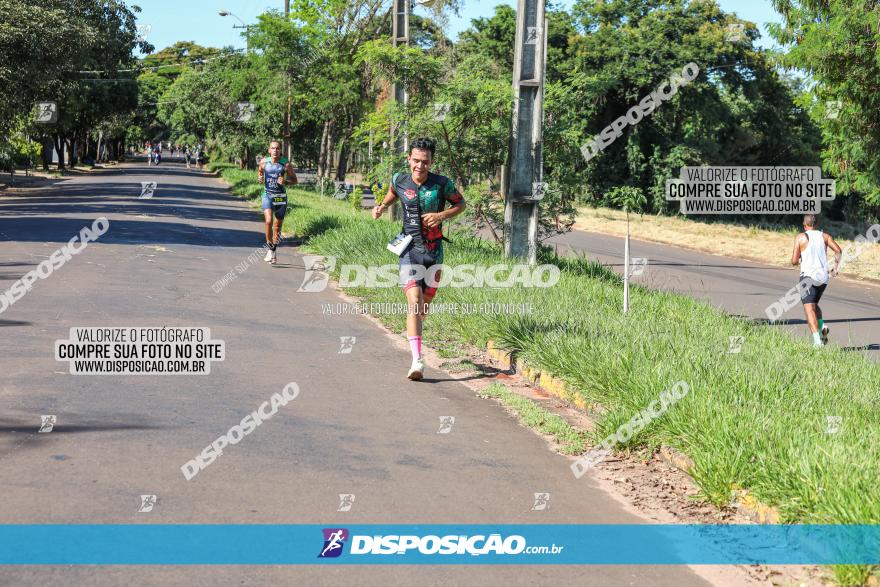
814, 258
810, 253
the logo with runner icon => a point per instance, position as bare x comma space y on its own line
147, 503
47, 113
47, 423
346, 344
317, 273
334, 541
148, 188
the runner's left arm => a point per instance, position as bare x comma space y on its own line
454, 197
831, 244
291, 174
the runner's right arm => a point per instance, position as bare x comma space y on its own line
260, 171
796, 253
390, 197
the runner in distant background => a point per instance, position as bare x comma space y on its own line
274, 172
810, 252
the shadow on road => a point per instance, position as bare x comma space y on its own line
134, 232
30, 428
867, 347
673, 264
788, 321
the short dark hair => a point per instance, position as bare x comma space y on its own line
810, 220
423, 144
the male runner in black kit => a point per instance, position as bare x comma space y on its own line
423, 196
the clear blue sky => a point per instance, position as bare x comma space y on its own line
197, 20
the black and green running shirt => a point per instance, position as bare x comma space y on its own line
432, 197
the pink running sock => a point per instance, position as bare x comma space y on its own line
415, 345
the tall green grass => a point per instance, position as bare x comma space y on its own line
754, 420
242, 181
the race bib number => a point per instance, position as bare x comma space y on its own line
279, 200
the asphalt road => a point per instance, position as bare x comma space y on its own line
358, 426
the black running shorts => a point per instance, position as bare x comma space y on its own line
811, 293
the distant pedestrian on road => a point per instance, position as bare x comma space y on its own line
810, 252
423, 196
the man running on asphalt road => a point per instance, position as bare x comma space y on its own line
274, 172
423, 195
810, 252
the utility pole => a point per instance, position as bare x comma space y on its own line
402, 9
524, 169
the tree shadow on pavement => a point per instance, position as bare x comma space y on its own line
795, 321
867, 347
130, 232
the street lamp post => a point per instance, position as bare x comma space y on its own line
247, 29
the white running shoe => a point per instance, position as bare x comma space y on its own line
268, 257
274, 258
415, 371
824, 335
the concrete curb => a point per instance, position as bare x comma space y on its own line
741, 499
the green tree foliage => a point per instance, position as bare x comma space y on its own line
836, 43
38, 45
74, 53
737, 112
159, 70
495, 36
203, 101
335, 60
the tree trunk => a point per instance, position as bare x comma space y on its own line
59, 149
346, 146
48, 145
322, 156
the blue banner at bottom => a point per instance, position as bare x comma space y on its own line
251, 544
